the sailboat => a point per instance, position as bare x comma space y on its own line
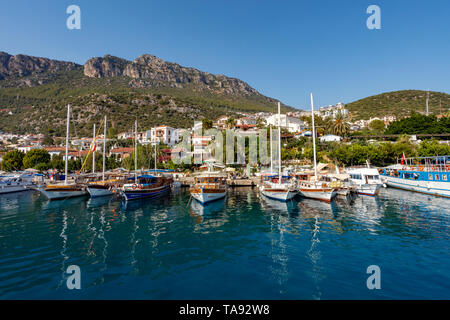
318, 190
65, 190
146, 185
278, 187
101, 188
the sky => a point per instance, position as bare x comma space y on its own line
284, 49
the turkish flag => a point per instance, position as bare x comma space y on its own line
403, 158
93, 146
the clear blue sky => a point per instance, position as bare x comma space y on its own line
284, 49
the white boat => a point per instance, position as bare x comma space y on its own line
274, 190
424, 177
277, 187
318, 190
16, 183
366, 180
63, 191
209, 186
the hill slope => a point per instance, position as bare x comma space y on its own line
398, 103
34, 93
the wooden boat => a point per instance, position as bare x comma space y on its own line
273, 188
147, 186
318, 190
65, 190
209, 186
277, 187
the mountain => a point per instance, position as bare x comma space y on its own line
399, 103
34, 93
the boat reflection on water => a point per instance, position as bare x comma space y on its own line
76, 202
144, 204
100, 201
309, 209
209, 209
288, 207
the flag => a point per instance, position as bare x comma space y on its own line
93, 146
403, 158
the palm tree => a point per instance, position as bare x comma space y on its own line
340, 127
230, 123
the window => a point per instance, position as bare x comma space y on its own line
430, 177
444, 177
436, 177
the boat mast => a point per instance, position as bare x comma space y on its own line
155, 154
93, 151
271, 152
428, 98
314, 137
104, 150
279, 143
67, 144
135, 152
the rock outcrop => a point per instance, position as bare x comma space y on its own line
18, 66
150, 71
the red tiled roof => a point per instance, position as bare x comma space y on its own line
122, 150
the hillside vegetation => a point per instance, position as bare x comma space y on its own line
34, 93
399, 103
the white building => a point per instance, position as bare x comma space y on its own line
25, 149
163, 134
291, 124
200, 144
330, 138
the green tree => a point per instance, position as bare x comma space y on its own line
377, 126
57, 162
34, 157
340, 127
13, 161
48, 141
207, 124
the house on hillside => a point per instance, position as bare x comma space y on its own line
330, 138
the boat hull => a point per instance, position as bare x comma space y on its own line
440, 189
368, 189
99, 191
325, 195
11, 189
145, 193
284, 195
206, 197
62, 194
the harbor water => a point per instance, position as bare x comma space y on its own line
240, 247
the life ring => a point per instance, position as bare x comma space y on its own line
134, 186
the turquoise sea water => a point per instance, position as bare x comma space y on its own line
242, 247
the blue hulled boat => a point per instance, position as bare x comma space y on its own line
429, 175
147, 186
